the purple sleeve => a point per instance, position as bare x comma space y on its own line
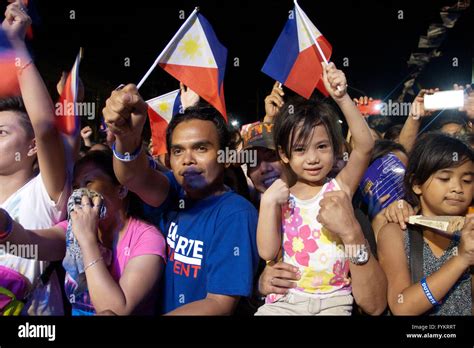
62, 225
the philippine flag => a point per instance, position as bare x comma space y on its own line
196, 58
160, 111
8, 70
67, 119
295, 60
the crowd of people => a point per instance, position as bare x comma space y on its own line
120, 232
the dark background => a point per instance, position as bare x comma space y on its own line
368, 32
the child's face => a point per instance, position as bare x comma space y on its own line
448, 191
312, 162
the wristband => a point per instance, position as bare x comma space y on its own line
9, 227
21, 68
428, 293
127, 157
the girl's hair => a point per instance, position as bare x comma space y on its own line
299, 114
384, 147
433, 152
393, 132
15, 104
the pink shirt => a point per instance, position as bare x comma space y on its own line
139, 239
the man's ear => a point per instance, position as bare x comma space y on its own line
32, 148
283, 156
123, 192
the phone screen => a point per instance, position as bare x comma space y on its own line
444, 100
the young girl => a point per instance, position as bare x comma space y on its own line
124, 283
308, 138
432, 279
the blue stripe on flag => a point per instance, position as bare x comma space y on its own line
218, 50
284, 54
4, 42
177, 104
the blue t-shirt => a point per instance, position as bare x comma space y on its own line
211, 246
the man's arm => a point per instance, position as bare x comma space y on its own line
38, 104
213, 304
125, 114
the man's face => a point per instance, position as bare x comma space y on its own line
14, 144
193, 157
267, 170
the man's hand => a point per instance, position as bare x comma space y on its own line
337, 215
277, 193
468, 107
189, 98
125, 112
417, 108
273, 102
278, 278
335, 81
16, 22
398, 212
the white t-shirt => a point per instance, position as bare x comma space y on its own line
32, 207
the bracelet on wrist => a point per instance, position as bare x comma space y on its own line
127, 157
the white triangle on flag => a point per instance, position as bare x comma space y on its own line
163, 104
304, 24
191, 48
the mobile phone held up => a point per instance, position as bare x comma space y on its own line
373, 107
444, 100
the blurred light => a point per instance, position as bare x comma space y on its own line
234, 123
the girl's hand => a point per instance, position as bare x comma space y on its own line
16, 22
334, 81
85, 220
277, 193
466, 247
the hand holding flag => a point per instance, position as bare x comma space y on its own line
16, 22
334, 81
125, 112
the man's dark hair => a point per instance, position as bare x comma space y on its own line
204, 113
16, 104
384, 147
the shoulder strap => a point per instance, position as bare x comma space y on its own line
416, 254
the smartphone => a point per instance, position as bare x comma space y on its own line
444, 100
372, 108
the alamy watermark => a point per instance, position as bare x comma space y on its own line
248, 156
26, 251
77, 109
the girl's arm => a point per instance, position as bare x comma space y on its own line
137, 283
49, 244
269, 220
38, 103
350, 176
405, 298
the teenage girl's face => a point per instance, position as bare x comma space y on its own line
93, 178
448, 191
313, 161
16, 149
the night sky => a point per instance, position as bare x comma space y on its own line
368, 32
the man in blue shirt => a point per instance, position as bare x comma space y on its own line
210, 230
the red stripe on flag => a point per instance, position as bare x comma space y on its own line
158, 127
9, 85
66, 120
203, 81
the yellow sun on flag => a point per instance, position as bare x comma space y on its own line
190, 46
164, 107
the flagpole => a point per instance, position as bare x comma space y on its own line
157, 60
297, 7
